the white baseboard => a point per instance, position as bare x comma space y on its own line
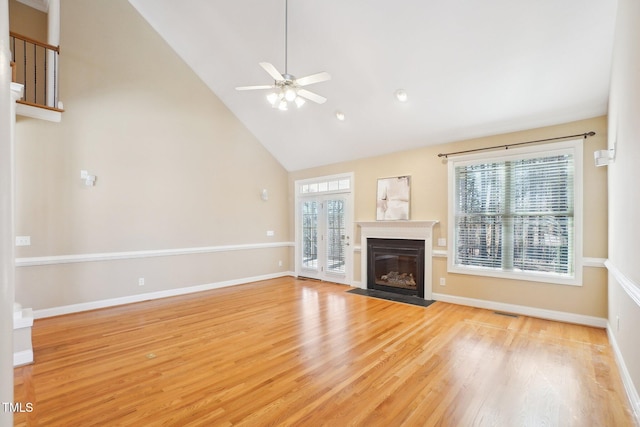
22, 358
632, 393
24, 319
542, 313
93, 305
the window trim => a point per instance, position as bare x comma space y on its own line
574, 147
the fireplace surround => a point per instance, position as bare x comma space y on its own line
398, 231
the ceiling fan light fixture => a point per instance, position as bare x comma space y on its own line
272, 98
286, 88
299, 101
290, 94
340, 116
401, 94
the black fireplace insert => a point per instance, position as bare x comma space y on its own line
396, 265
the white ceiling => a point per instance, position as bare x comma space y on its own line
471, 68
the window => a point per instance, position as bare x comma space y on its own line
330, 185
518, 215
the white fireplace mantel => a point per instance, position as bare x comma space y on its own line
416, 230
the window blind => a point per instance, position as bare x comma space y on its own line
516, 215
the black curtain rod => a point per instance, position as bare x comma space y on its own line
506, 146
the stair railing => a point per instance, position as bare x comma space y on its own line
35, 65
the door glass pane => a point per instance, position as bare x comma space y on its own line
336, 236
310, 235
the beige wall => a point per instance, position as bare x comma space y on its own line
175, 169
429, 202
27, 21
624, 202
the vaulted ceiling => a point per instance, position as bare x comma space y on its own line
470, 68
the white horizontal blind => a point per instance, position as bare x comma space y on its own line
516, 215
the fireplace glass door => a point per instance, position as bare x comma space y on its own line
396, 265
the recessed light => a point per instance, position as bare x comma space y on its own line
401, 95
340, 115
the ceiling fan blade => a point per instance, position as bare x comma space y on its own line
273, 72
312, 96
255, 87
313, 78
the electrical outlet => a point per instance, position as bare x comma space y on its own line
443, 281
280, 263
23, 240
442, 242
270, 233
141, 281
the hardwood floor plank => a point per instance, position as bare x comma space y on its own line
295, 352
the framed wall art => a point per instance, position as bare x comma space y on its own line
393, 198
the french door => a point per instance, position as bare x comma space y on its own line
323, 247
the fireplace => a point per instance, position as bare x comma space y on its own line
396, 265
399, 259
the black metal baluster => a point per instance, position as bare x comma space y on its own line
13, 56
46, 77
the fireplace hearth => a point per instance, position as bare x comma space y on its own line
396, 265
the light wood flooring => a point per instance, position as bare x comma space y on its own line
306, 353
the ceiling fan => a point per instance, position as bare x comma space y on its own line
287, 87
